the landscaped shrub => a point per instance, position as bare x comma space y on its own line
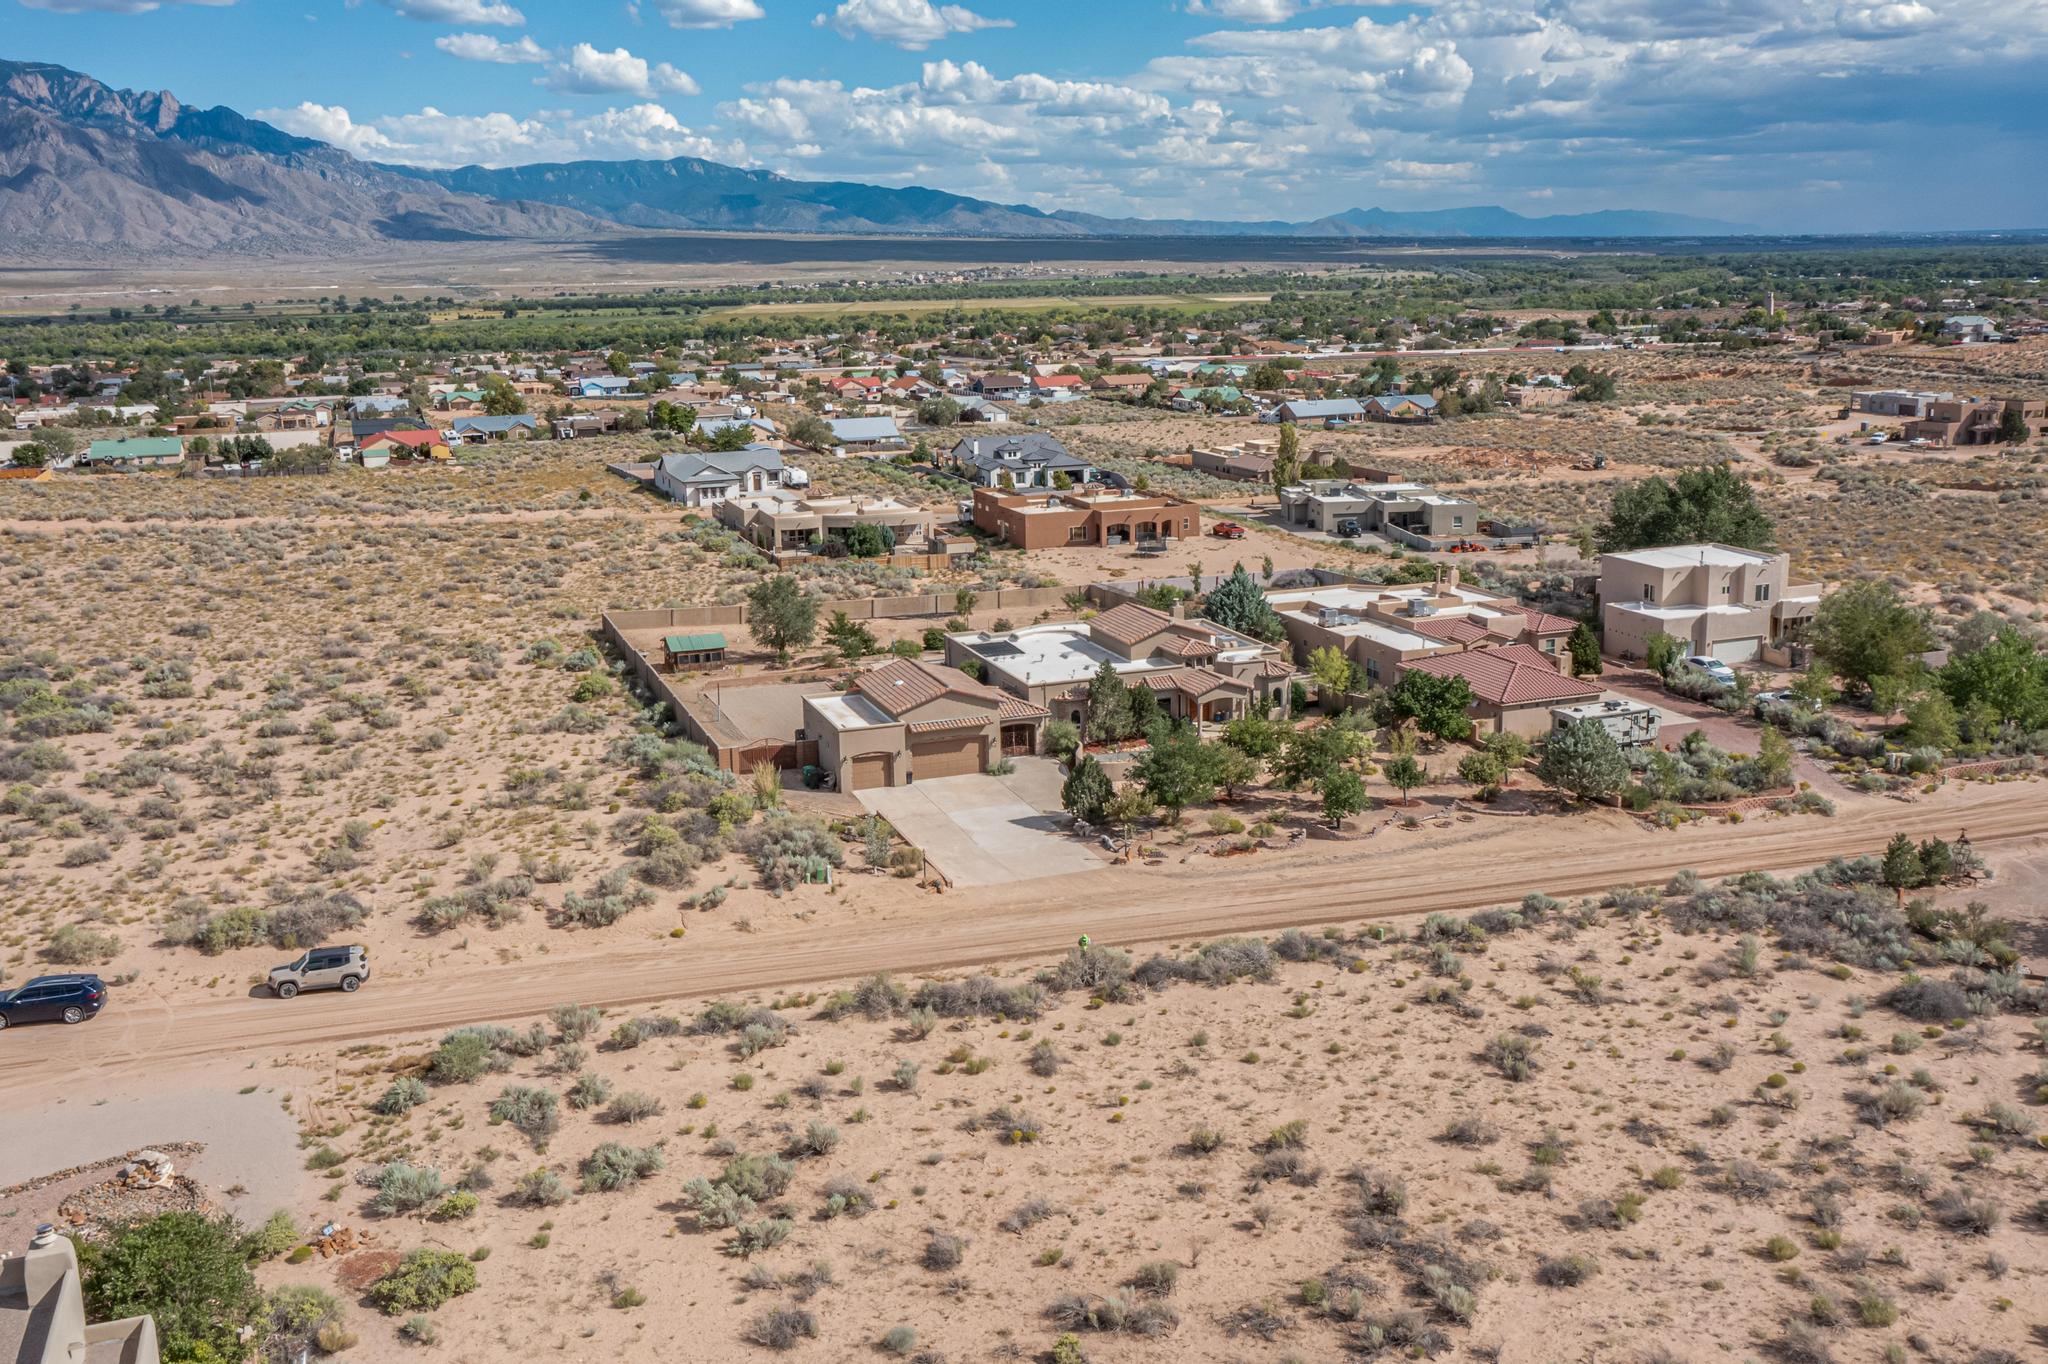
790, 849
403, 1188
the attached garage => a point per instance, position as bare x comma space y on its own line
1738, 650
946, 755
867, 771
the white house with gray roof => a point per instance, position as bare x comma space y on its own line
705, 478
1030, 458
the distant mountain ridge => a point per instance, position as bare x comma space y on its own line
86, 168
690, 193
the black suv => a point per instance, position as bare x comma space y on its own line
53, 999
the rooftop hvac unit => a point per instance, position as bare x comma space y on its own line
1419, 607
1331, 615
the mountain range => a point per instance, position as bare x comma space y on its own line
86, 169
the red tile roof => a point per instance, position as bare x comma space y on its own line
1128, 624
1512, 675
903, 685
1543, 623
1450, 629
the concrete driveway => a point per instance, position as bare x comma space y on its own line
984, 831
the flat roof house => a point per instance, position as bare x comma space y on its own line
908, 720
1086, 515
1026, 458
42, 1312
1413, 513
782, 522
1198, 670
1719, 601
1972, 421
705, 478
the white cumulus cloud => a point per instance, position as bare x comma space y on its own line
707, 13
910, 24
434, 138
586, 70
482, 47
458, 11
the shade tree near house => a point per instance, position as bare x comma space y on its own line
1711, 504
1343, 793
1867, 631
782, 616
1178, 770
1405, 774
1238, 604
1436, 704
1087, 791
1109, 706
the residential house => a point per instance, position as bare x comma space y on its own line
907, 720
477, 430
753, 427
1408, 408
1895, 402
1514, 688
1248, 461
866, 433
1969, 327
1384, 629
1717, 600
1088, 514
408, 445
1972, 421
378, 404
1121, 385
1026, 459
135, 452
974, 408
782, 522
705, 478
1198, 670
602, 386
1316, 411
576, 425
1004, 387
42, 1312
1413, 513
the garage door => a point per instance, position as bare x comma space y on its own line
954, 756
1738, 650
868, 770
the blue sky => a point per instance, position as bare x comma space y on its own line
1826, 115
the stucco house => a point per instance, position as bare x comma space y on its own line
42, 1312
909, 720
1384, 629
1719, 601
1085, 515
782, 521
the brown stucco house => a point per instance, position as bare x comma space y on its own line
909, 719
1198, 670
1717, 600
1090, 515
1383, 629
1513, 687
42, 1312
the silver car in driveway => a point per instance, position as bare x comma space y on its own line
322, 968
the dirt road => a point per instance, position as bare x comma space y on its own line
1397, 872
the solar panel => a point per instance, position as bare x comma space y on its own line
1001, 648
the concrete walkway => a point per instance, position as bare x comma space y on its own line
986, 831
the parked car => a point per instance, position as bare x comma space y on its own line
322, 968
1780, 698
1712, 667
1227, 530
1347, 528
53, 999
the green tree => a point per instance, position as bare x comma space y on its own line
782, 616
812, 430
1255, 735
1331, 670
1709, 503
1312, 754
1585, 651
33, 455
2012, 426
188, 1271
1144, 709
1235, 768
1178, 770
1237, 604
865, 540
963, 602
1583, 758
1109, 706
939, 411
1816, 685
500, 398
1931, 722
1287, 460
2007, 675
851, 638
1774, 757
1130, 805
1405, 774
1867, 630
1087, 791
1484, 770
1343, 793
1436, 704
1902, 868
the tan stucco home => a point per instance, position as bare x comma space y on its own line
1716, 600
1385, 628
909, 720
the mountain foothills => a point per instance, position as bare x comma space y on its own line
85, 168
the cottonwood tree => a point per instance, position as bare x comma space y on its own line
1867, 630
1436, 704
1711, 503
1178, 770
